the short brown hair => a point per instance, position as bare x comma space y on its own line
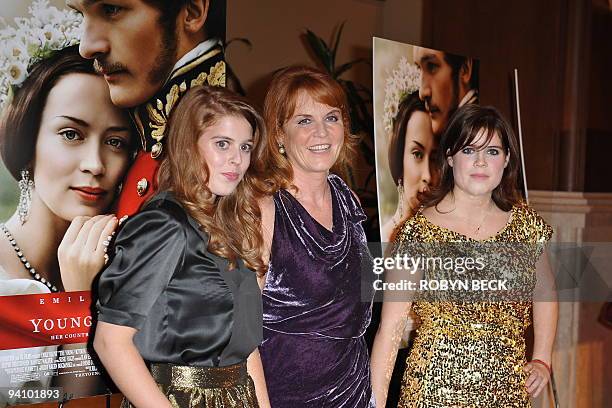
21, 118
456, 62
233, 221
464, 127
280, 103
169, 9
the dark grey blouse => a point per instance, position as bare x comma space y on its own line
188, 308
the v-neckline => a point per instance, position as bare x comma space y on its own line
511, 218
334, 205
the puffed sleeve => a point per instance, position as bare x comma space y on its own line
545, 231
541, 232
148, 250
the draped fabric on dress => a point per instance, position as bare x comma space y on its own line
314, 352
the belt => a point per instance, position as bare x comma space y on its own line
199, 377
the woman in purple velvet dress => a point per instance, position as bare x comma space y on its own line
314, 353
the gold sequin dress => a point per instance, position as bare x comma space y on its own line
471, 354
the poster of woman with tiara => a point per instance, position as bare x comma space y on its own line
416, 91
66, 147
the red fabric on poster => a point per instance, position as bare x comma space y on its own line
44, 319
143, 170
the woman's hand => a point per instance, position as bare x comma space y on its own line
81, 254
538, 377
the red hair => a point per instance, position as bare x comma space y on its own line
280, 103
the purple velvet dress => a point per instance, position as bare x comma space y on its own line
314, 353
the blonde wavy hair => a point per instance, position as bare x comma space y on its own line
233, 222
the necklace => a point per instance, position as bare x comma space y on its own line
483, 220
25, 262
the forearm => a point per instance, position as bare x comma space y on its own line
126, 367
381, 366
255, 369
384, 351
545, 311
544, 327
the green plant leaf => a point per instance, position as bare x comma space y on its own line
360, 113
334, 49
364, 91
321, 50
348, 65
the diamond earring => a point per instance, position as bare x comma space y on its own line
26, 185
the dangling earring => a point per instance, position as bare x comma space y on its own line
400, 198
281, 149
26, 185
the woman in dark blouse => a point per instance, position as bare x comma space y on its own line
179, 309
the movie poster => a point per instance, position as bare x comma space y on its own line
416, 90
46, 324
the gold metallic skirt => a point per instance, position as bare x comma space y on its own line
204, 387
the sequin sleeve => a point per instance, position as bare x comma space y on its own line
545, 231
539, 230
148, 250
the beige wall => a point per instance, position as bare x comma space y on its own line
402, 21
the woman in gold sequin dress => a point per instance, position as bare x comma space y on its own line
472, 353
